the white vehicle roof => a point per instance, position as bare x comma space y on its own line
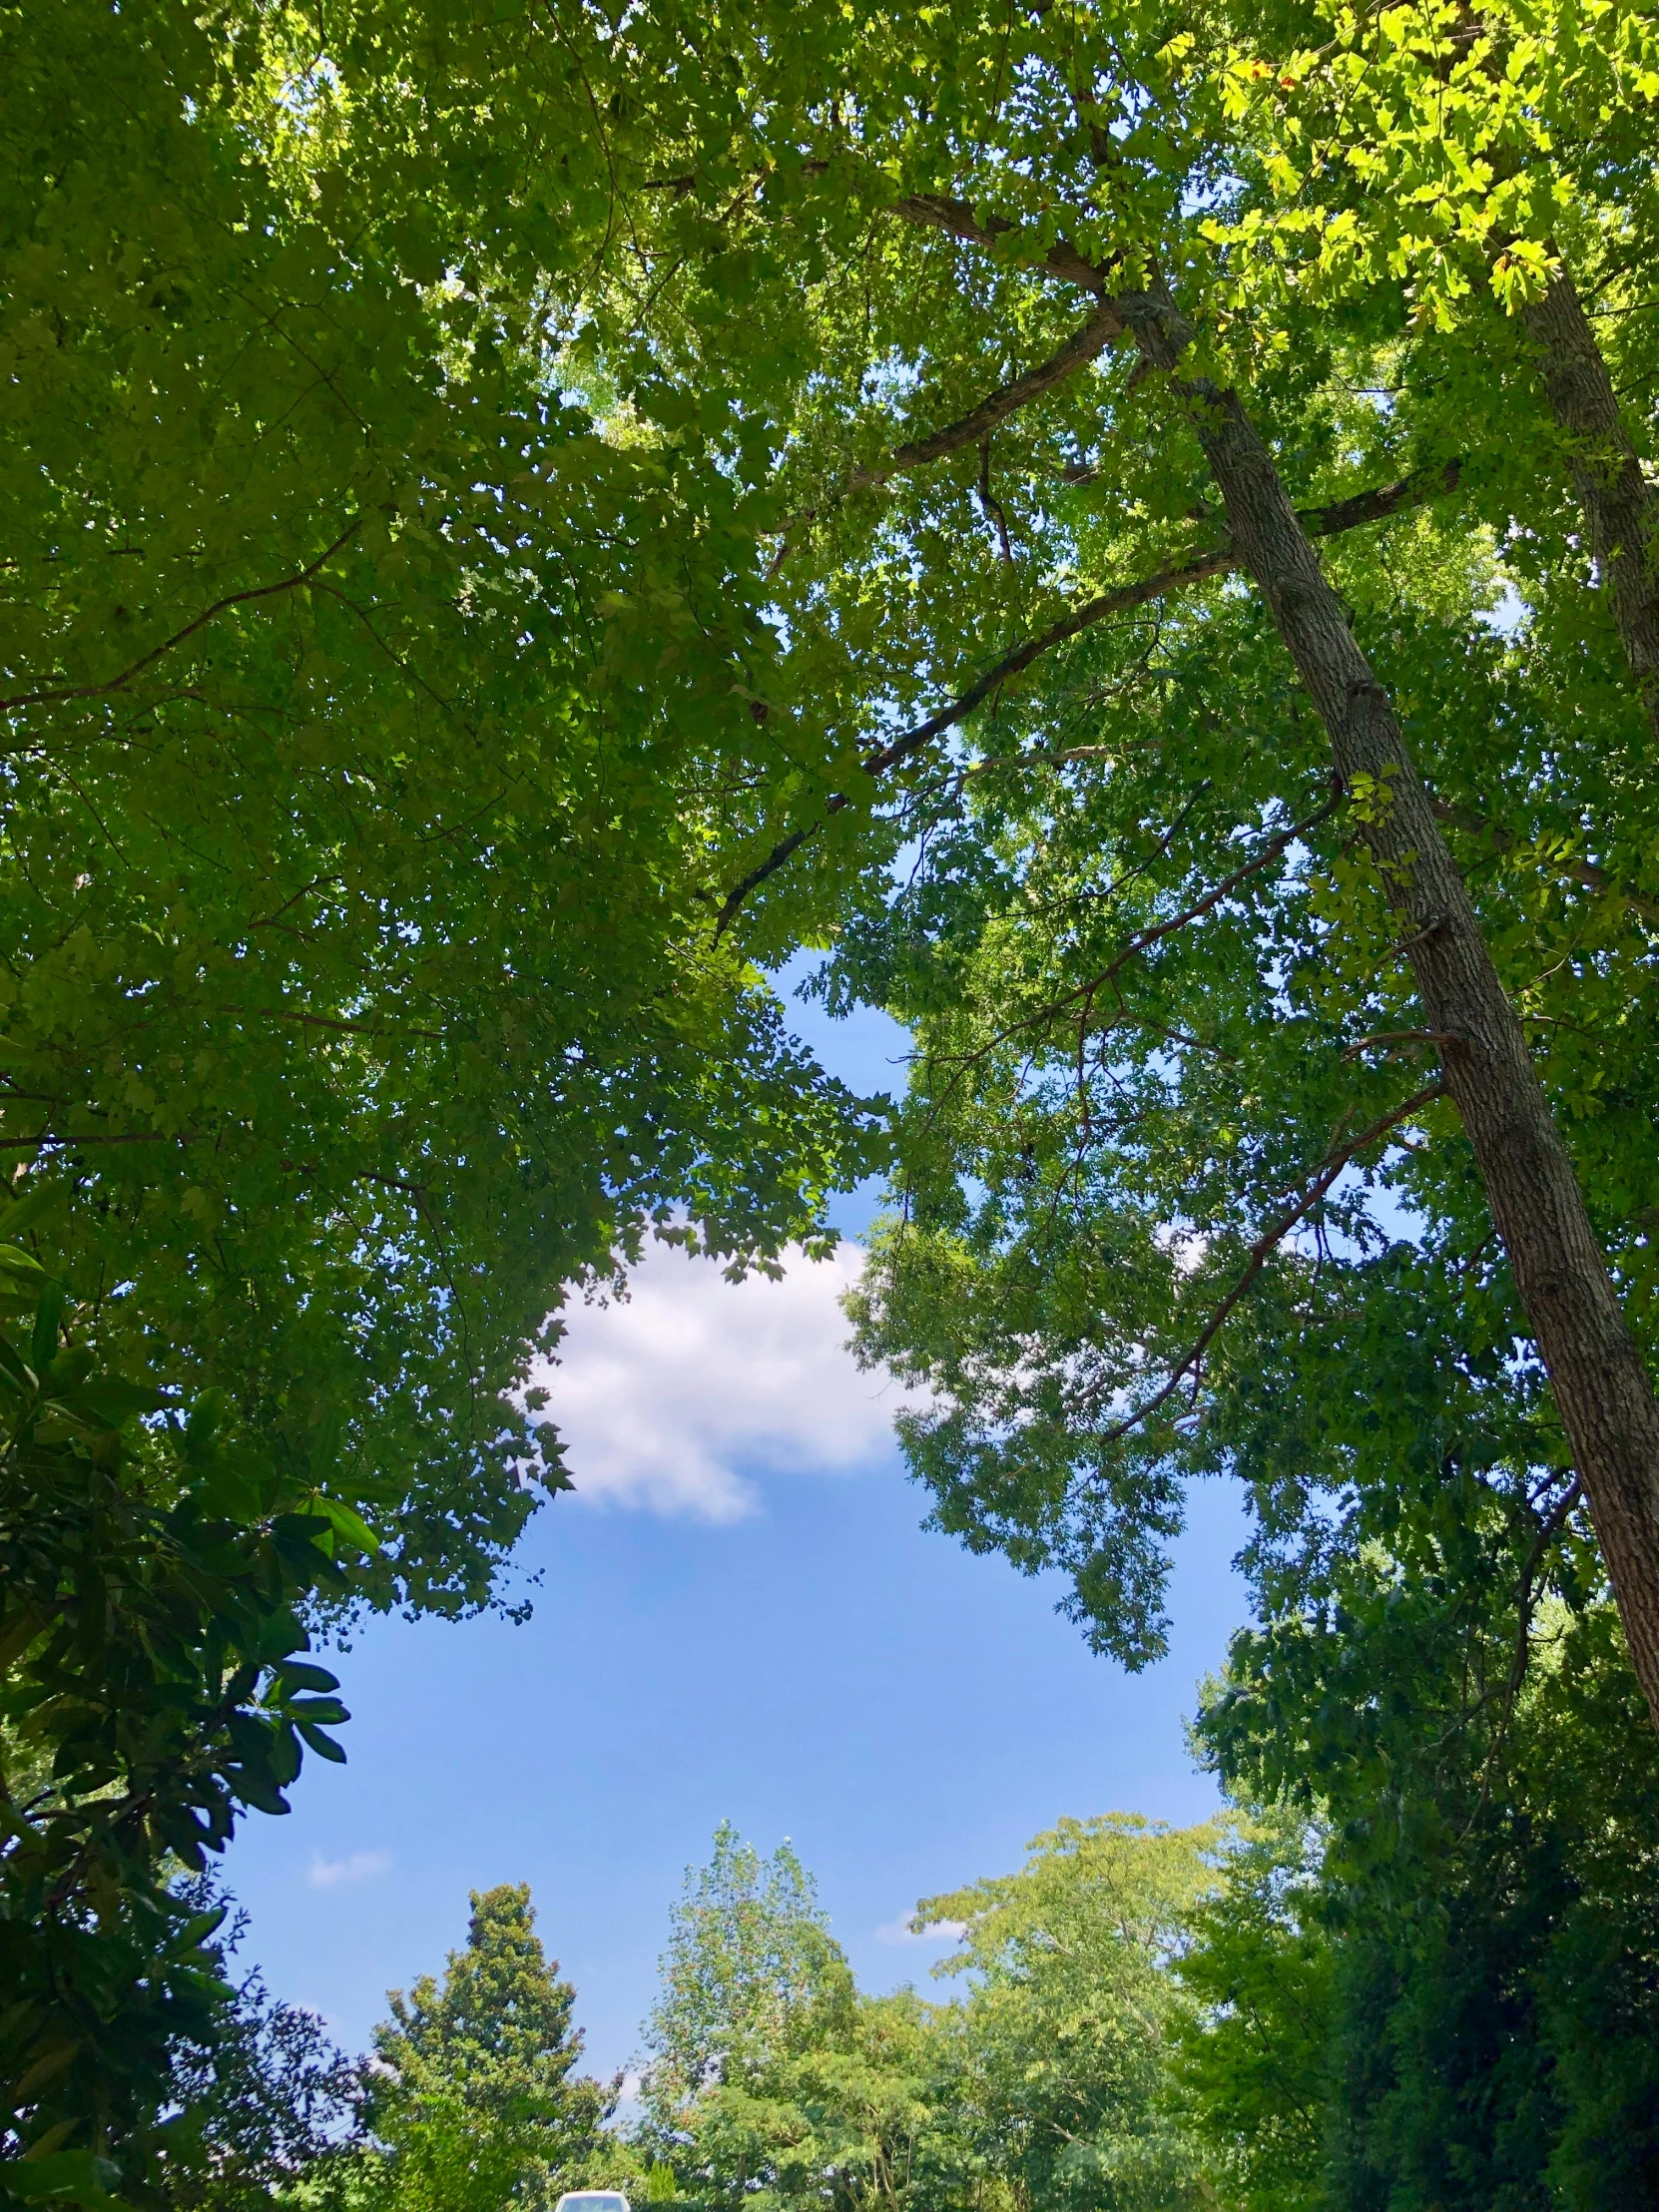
592, 2200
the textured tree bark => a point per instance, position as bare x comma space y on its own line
1621, 512
1602, 1389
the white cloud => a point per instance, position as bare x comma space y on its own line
329, 1874
664, 1400
901, 1932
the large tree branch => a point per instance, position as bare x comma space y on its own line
1103, 327
1327, 521
1620, 506
958, 219
1221, 560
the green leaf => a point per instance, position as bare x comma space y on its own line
13, 1367
48, 1314
111, 1400
204, 1421
346, 1521
40, 1201
324, 1712
324, 1448
323, 1746
225, 1493
284, 1755
80, 2177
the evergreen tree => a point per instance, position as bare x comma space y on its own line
473, 2102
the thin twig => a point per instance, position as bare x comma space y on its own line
1262, 1250
1143, 939
1526, 1594
232, 599
990, 506
74, 1144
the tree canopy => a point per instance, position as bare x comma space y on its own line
1043, 2085
372, 713
1131, 533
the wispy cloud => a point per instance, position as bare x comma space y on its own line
666, 1399
901, 1932
359, 1866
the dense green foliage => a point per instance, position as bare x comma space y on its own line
1071, 2001
750, 1968
373, 722
1433, 1981
1452, 2001
510, 519
371, 714
154, 1582
267, 2098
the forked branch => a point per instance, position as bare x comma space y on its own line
1327, 521
1103, 326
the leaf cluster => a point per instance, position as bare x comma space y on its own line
158, 1566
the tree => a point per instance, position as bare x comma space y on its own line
269, 2100
156, 1568
371, 721
1601, 1386
1488, 166
1253, 2058
471, 2100
1063, 2037
1043, 2086
858, 2113
1433, 1981
1086, 154
751, 1970
375, 716
772, 2080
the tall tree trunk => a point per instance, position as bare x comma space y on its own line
1621, 512
1602, 1389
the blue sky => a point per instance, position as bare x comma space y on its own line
737, 1617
